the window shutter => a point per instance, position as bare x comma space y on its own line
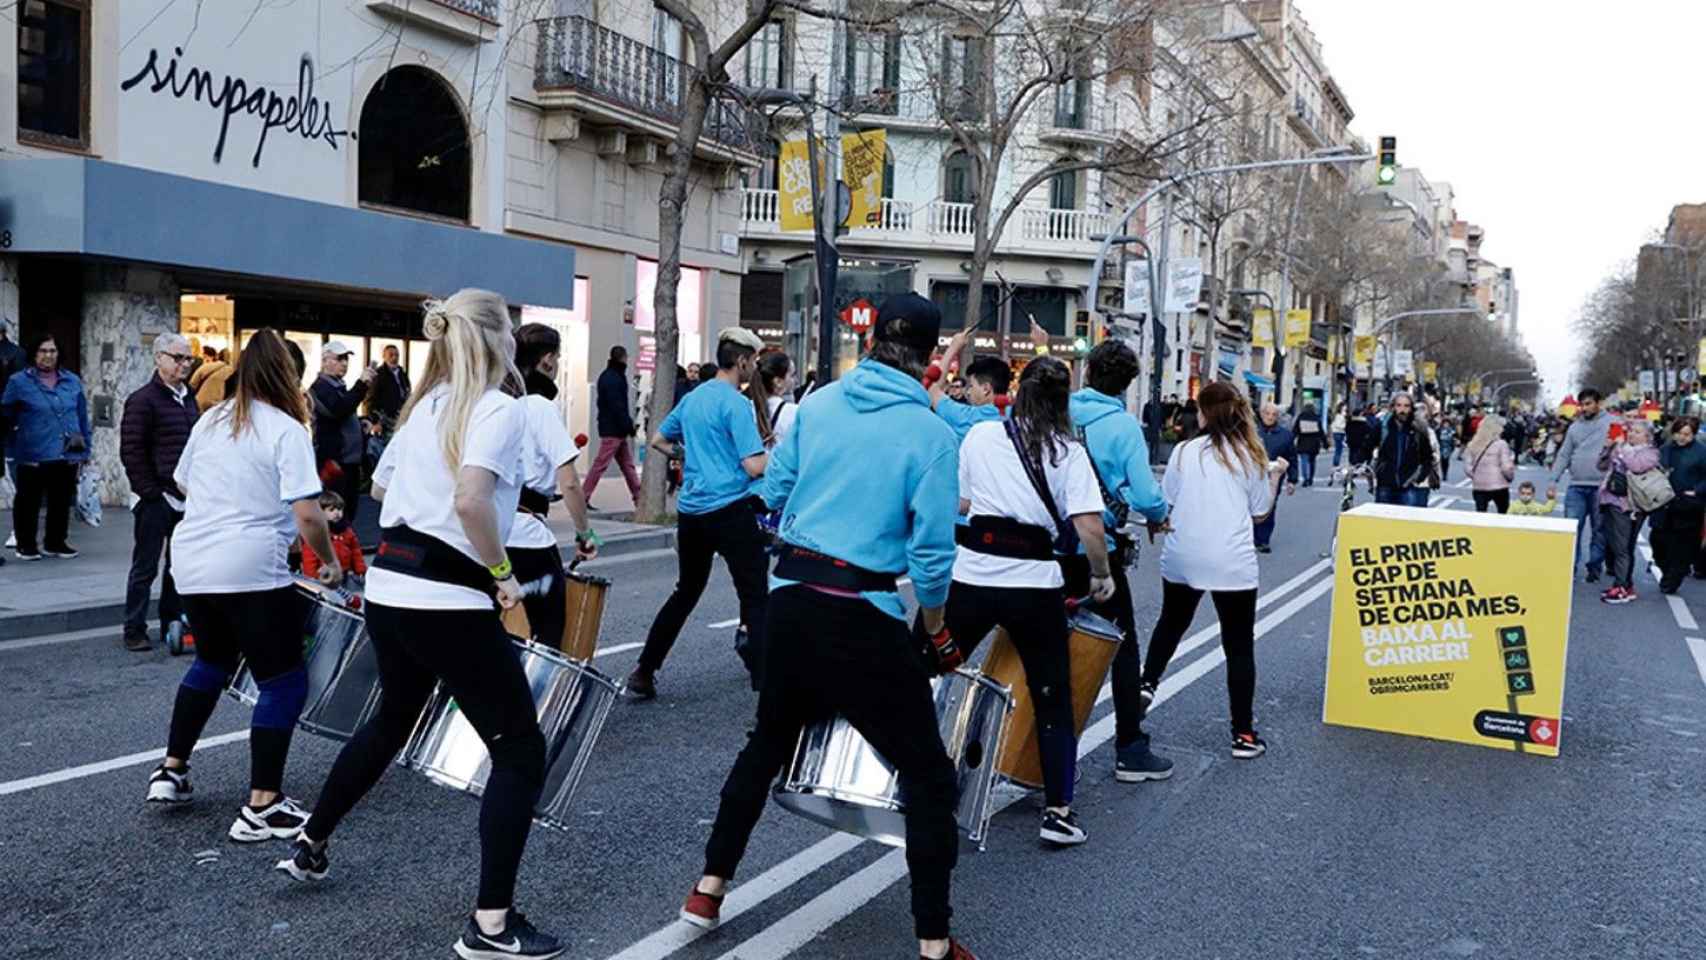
891, 62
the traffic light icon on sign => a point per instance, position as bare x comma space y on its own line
1519, 683
1519, 668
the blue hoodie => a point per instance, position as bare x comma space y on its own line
870, 475
963, 416
1116, 446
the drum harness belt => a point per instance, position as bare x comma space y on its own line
536, 503
817, 569
415, 554
1014, 539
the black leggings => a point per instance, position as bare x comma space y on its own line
733, 532
1498, 498
470, 653
1237, 612
1035, 621
544, 591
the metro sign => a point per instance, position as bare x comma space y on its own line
859, 315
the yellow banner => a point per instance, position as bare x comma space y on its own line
1451, 626
1296, 328
1262, 328
862, 155
794, 186
1475, 388
1702, 355
1364, 351
1430, 371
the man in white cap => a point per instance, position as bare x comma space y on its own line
339, 444
714, 429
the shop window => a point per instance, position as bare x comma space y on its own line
414, 146
951, 297
53, 72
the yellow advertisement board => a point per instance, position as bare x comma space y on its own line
794, 186
1262, 327
1364, 351
1296, 328
1451, 625
1430, 371
862, 155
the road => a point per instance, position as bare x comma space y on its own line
1338, 843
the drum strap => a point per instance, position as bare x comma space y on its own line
415, 554
534, 502
810, 567
1005, 537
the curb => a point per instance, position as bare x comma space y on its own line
47, 622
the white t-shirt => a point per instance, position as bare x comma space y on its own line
781, 418
237, 525
420, 492
547, 447
994, 480
1212, 546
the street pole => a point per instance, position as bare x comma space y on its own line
1285, 287
827, 222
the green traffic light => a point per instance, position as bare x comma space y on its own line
1081, 345
1387, 175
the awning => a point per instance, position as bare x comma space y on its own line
1258, 381
81, 207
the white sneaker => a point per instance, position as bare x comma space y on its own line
281, 821
169, 786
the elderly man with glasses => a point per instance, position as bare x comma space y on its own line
156, 425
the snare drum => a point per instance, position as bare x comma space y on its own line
839, 780
585, 615
572, 700
342, 669
1092, 646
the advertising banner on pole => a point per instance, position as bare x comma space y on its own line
1364, 358
862, 155
794, 186
1262, 327
1403, 364
1296, 328
1430, 371
1648, 381
1452, 626
1184, 284
1136, 288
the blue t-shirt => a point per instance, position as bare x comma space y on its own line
718, 427
963, 416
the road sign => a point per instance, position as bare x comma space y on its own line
859, 315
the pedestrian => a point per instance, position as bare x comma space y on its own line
48, 414
1676, 529
346, 549
250, 486
390, 391
1278, 441
1339, 425
615, 427
1359, 439
1217, 487
707, 372
340, 444
548, 474
1030, 489
682, 383
772, 394
1309, 438
715, 431
1579, 458
807, 385
449, 486
1188, 420
1526, 506
1447, 437
11, 361
1404, 456
985, 381
1491, 466
156, 425
849, 533
1630, 457
212, 387
1120, 458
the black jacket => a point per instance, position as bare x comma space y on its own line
387, 397
11, 361
1405, 457
1278, 442
614, 417
337, 430
151, 437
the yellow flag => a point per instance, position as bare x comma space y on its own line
862, 155
1262, 328
1430, 371
1702, 362
1296, 328
1364, 351
794, 186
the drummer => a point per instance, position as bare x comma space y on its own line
449, 483
1121, 460
250, 486
549, 474
986, 380
1018, 480
841, 637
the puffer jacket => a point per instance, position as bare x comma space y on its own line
151, 437
1493, 469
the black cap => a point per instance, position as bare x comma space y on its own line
909, 319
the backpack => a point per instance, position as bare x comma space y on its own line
1650, 491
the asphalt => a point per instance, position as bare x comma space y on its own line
1338, 843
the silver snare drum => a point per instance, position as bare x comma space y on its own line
839, 780
343, 672
572, 700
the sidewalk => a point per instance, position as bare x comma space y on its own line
55, 596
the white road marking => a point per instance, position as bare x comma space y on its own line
1445, 502
1679, 610
1697, 647
50, 640
841, 900
723, 624
149, 756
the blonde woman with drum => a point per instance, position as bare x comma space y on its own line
449, 483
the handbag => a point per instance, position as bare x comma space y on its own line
72, 440
1617, 483
1649, 491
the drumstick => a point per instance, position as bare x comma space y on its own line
1073, 603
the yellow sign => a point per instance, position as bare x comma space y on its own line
1364, 351
1430, 371
1475, 388
794, 186
1296, 328
1262, 328
1702, 356
1451, 626
862, 155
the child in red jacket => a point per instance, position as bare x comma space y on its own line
344, 544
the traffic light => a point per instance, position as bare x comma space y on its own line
1387, 172
1081, 331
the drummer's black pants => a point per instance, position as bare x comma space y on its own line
1035, 620
843, 655
470, 652
544, 591
1128, 660
264, 627
733, 532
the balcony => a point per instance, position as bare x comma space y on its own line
1076, 123
632, 92
939, 224
475, 21
1304, 119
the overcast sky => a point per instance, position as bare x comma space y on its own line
1568, 129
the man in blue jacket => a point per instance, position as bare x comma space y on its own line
1114, 440
1281, 445
841, 643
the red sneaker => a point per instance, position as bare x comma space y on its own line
702, 909
956, 951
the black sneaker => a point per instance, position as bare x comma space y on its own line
306, 865
1146, 694
1264, 548
62, 552
1135, 763
137, 642
1062, 829
27, 555
518, 939
642, 684
170, 786
1248, 746
283, 820
1593, 576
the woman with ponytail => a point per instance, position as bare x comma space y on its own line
772, 395
1030, 494
449, 485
